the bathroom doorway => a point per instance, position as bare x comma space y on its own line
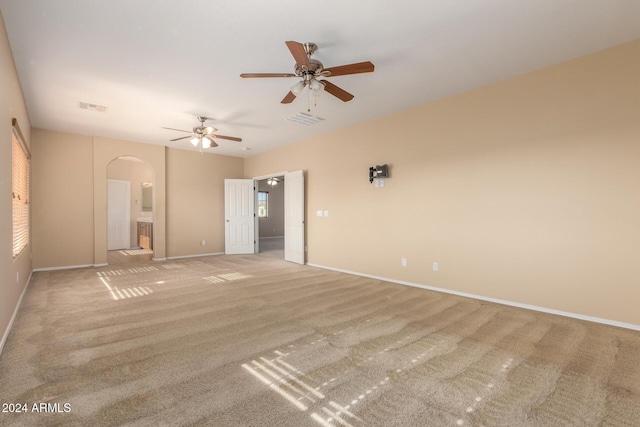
131, 214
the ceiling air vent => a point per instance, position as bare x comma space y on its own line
304, 119
92, 107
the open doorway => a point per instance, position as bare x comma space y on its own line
242, 225
270, 213
130, 211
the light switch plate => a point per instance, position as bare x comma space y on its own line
319, 213
326, 213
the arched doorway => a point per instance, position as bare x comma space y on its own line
130, 211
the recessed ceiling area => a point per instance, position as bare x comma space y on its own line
160, 63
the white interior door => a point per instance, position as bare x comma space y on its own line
256, 221
118, 214
239, 216
294, 217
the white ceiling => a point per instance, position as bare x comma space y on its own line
158, 63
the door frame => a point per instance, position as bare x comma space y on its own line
256, 226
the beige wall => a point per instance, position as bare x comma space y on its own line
11, 106
70, 181
273, 225
136, 172
526, 191
195, 200
70, 196
62, 209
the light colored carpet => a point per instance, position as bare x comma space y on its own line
256, 341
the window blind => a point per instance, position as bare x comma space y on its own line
20, 191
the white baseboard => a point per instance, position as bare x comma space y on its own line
15, 314
68, 267
271, 237
483, 298
192, 256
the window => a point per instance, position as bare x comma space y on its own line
20, 190
263, 204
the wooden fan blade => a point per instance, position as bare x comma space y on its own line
343, 70
258, 75
297, 50
179, 130
289, 98
231, 138
178, 139
336, 91
212, 143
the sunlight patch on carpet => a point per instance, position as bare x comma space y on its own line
213, 279
235, 276
275, 387
137, 252
141, 280
320, 399
133, 292
305, 392
172, 266
142, 269
123, 293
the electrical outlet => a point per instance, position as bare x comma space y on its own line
382, 183
376, 183
436, 266
326, 213
403, 261
204, 242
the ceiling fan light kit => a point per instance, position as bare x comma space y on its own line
310, 70
316, 85
202, 136
297, 88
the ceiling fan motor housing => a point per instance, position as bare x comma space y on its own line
315, 68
